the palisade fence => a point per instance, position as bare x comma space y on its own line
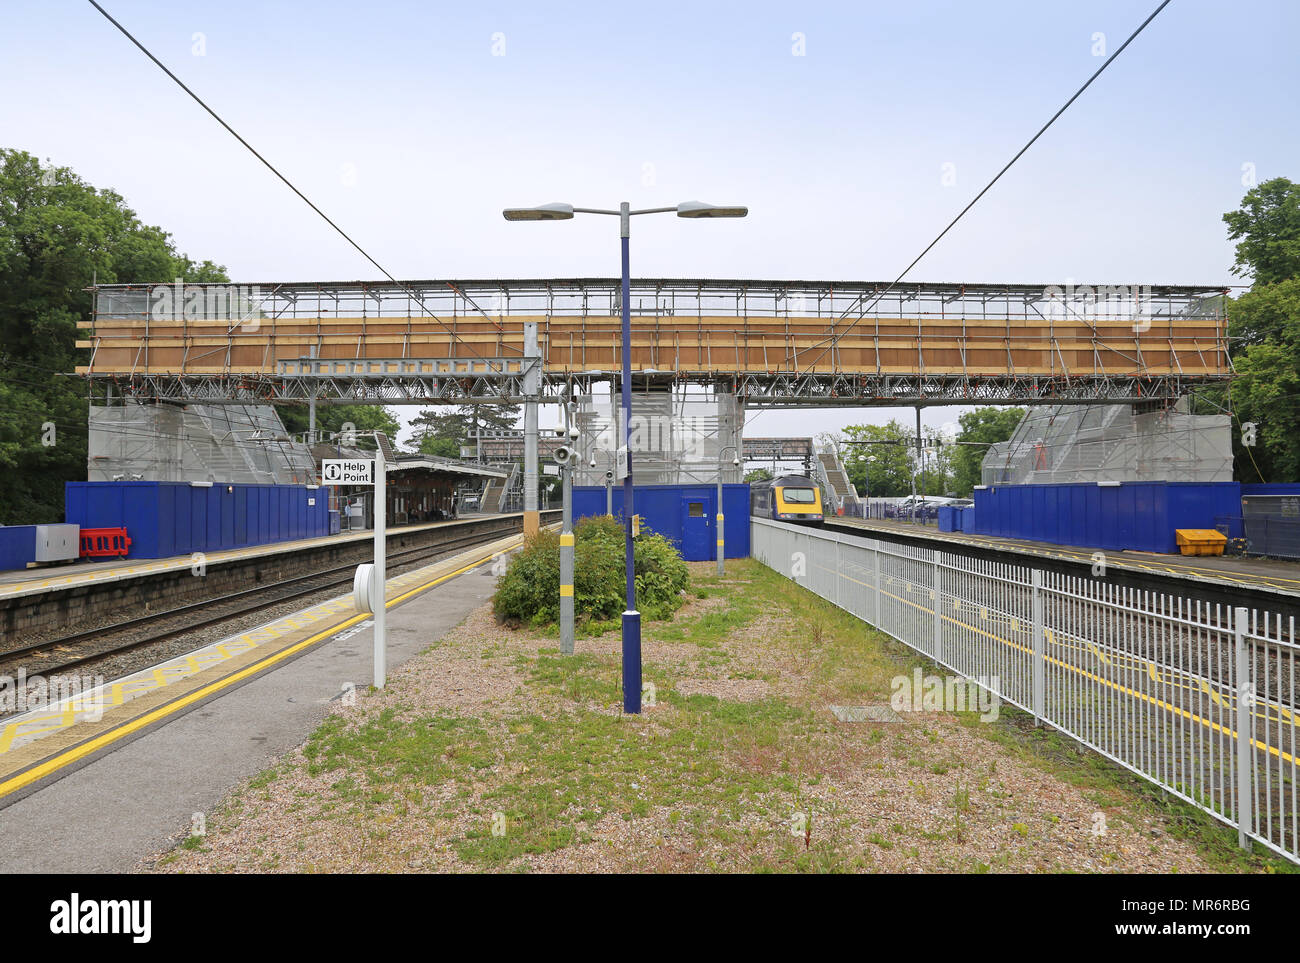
1196, 697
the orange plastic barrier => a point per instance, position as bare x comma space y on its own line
104, 542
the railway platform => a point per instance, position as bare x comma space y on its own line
37, 602
1257, 575
55, 578
123, 766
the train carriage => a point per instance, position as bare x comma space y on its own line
789, 498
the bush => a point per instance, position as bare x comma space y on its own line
529, 591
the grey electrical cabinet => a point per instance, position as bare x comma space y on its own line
57, 543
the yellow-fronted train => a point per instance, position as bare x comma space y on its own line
789, 498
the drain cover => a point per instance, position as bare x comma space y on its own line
865, 714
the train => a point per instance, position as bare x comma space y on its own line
789, 498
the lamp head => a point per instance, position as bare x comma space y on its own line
702, 209
547, 212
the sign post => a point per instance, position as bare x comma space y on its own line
364, 471
380, 577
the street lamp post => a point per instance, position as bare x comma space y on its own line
722, 538
562, 212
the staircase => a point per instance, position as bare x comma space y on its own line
831, 473
493, 492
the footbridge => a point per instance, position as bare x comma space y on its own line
770, 343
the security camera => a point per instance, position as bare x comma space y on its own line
735, 463
573, 432
562, 455
592, 463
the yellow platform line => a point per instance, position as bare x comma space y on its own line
1141, 696
67, 758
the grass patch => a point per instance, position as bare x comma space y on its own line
703, 782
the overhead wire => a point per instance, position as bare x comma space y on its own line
274, 170
835, 338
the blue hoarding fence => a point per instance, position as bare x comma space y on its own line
17, 546
164, 519
1138, 516
685, 514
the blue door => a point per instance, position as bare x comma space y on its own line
697, 528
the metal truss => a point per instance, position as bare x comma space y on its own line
828, 391
344, 390
492, 302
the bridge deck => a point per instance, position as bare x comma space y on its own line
1167, 337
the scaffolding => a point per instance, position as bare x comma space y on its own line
228, 444
1061, 444
770, 342
679, 436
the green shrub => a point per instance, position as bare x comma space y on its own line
529, 591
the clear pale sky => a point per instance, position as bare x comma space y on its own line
413, 124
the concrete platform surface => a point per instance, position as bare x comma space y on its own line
127, 802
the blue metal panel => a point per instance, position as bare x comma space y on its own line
320, 520
265, 510
17, 546
1137, 516
240, 513
226, 508
947, 520
660, 509
212, 505
277, 522
698, 528
1272, 488
176, 518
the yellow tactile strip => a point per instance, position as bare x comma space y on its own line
37, 743
113, 572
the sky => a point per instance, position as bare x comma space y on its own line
853, 131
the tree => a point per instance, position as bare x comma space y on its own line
985, 426
1264, 334
1266, 392
58, 235
1267, 229
433, 428
330, 419
890, 474
442, 447
758, 475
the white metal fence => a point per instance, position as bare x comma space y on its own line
1196, 697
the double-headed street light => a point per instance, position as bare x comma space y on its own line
563, 212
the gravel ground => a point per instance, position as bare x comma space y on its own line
926, 794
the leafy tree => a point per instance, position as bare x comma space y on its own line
58, 235
1267, 230
758, 475
460, 425
1264, 333
331, 419
1266, 392
443, 447
890, 474
984, 426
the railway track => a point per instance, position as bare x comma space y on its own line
160, 627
